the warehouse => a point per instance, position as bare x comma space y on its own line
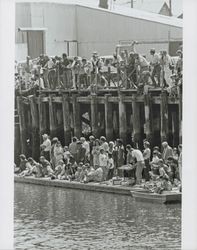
54, 27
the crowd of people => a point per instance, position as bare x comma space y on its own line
96, 160
127, 70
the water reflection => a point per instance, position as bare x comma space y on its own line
55, 218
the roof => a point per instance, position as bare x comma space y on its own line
118, 9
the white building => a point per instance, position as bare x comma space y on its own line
54, 27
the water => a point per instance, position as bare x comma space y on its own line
56, 218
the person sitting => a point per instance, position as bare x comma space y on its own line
58, 152
173, 169
59, 168
46, 146
154, 164
78, 173
89, 176
28, 169
46, 167
23, 163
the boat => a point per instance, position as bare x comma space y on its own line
165, 198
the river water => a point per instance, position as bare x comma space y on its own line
56, 218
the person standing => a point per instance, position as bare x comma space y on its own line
137, 154
96, 152
147, 155
110, 165
73, 147
103, 161
46, 146
64, 65
167, 151
156, 67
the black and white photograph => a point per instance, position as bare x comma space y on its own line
97, 119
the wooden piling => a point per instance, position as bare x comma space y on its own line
180, 114
66, 119
164, 116
94, 115
136, 121
148, 116
122, 119
35, 128
52, 120
76, 116
108, 118
22, 125
42, 118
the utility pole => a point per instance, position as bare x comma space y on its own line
131, 3
170, 6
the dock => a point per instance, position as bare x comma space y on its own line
114, 113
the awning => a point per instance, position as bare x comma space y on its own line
31, 29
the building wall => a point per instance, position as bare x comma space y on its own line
94, 29
106, 30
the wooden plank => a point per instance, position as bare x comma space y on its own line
66, 118
94, 115
136, 121
22, 125
108, 118
164, 116
35, 128
76, 116
42, 117
148, 116
52, 120
122, 119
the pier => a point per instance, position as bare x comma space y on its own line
114, 113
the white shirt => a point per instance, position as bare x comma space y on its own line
111, 163
86, 145
41, 83
103, 159
155, 59
138, 155
47, 144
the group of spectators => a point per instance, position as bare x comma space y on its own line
96, 160
127, 70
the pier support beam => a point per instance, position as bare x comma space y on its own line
42, 117
22, 126
35, 128
108, 118
66, 119
122, 119
136, 120
52, 120
148, 116
76, 116
164, 117
94, 115
180, 114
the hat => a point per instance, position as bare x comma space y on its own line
152, 50
102, 138
179, 52
44, 135
55, 139
79, 142
22, 156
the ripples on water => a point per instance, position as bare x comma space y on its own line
55, 218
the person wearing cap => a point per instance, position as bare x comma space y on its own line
167, 151
156, 67
96, 67
46, 145
147, 155
137, 154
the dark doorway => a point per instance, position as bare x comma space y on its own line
35, 42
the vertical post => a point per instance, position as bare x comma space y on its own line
76, 117
94, 115
42, 117
122, 119
180, 115
35, 128
164, 116
52, 123
66, 118
22, 126
148, 117
136, 120
108, 118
